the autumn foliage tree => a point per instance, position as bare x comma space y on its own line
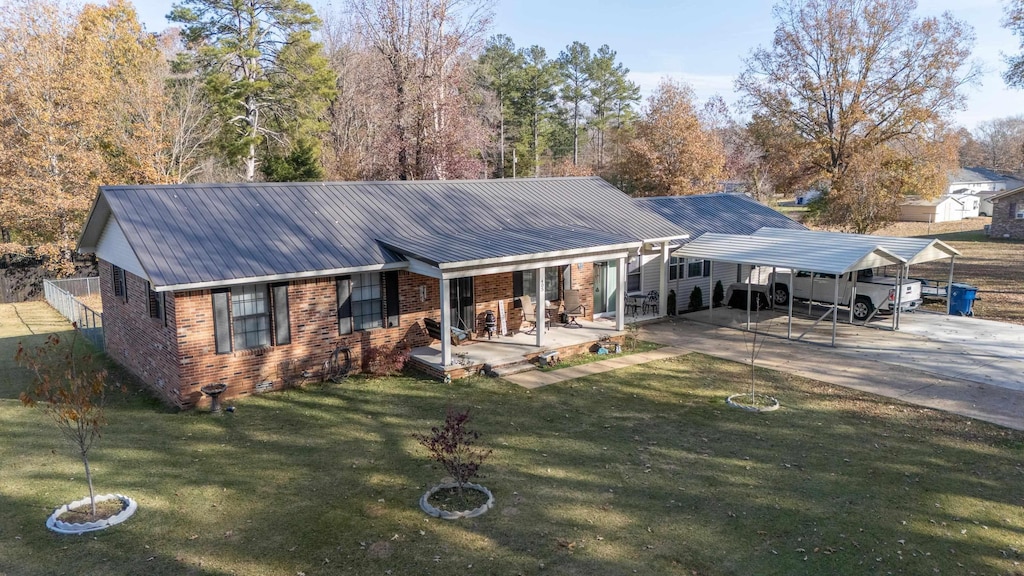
71, 391
864, 85
73, 86
672, 153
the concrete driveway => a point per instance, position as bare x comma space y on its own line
967, 366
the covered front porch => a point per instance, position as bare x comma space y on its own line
514, 349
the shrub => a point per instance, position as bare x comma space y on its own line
718, 295
696, 299
452, 446
385, 360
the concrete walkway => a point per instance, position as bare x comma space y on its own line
899, 377
537, 378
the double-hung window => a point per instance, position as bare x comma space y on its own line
675, 268
252, 316
367, 301
696, 268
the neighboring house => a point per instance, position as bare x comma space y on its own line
249, 283
982, 182
698, 215
949, 208
1008, 215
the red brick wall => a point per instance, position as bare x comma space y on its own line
143, 345
179, 359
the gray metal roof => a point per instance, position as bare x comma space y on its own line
978, 174
186, 235
794, 252
463, 247
913, 250
720, 213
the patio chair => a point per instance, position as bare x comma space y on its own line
573, 307
651, 302
531, 314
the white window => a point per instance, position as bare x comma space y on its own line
367, 311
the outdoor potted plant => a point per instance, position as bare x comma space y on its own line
72, 391
453, 446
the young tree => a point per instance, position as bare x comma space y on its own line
574, 65
852, 76
672, 153
261, 68
71, 391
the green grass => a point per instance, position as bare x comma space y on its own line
642, 470
581, 359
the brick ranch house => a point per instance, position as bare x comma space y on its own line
248, 283
1008, 215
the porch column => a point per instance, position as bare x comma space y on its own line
663, 283
446, 324
620, 295
541, 307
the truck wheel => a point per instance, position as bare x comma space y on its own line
862, 308
781, 295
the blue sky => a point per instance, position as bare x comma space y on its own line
704, 42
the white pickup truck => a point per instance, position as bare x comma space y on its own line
873, 293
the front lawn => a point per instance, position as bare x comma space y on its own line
642, 470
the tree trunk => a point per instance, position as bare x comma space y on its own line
88, 478
501, 138
536, 145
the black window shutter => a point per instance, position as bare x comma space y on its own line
154, 304
707, 268
118, 278
1013, 210
345, 305
282, 326
517, 284
222, 320
391, 303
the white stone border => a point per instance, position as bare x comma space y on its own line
62, 527
772, 406
445, 514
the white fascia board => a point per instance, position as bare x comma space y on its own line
535, 264
281, 277
540, 256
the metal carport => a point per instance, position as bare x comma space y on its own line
913, 250
803, 250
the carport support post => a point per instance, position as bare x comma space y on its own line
711, 291
541, 307
789, 329
620, 295
835, 310
663, 282
949, 287
901, 275
446, 325
748, 296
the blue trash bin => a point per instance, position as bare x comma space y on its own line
961, 299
